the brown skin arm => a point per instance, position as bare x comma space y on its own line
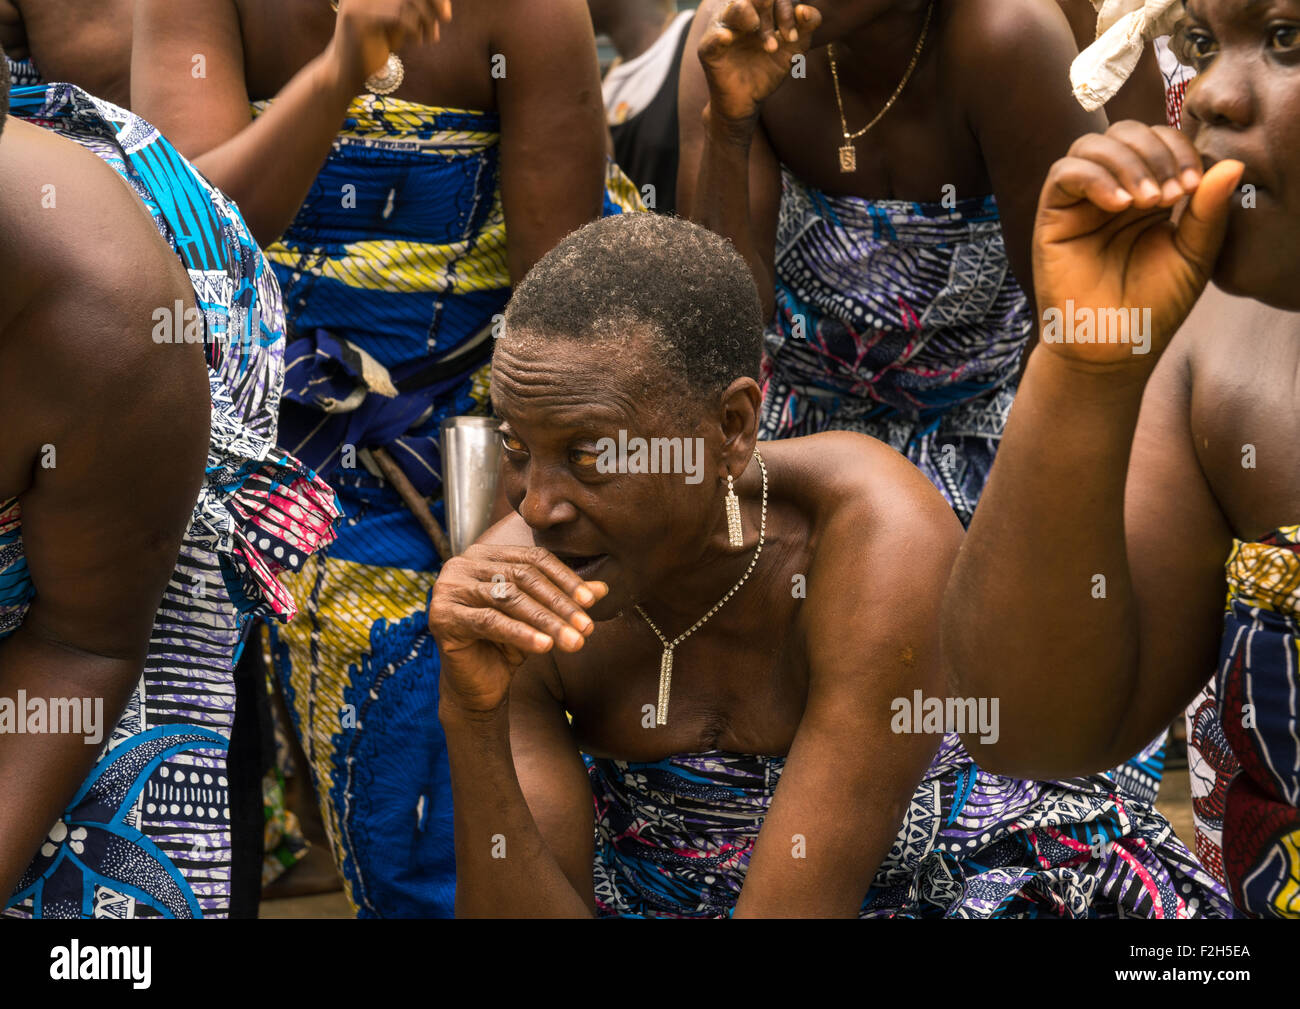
1143, 96
517, 779
1021, 128
848, 778
128, 423
1085, 683
267, 166
1088, 672
728, 177
552, 125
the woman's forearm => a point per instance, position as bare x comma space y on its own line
269, 167
1040, 609
722, 199
503, 865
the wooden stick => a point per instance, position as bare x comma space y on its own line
414, 501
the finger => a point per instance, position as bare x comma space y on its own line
783, 15
809, 19
1124, 163
426, 22
490, 624
1200, 233
1160, 160
583, 593
740, 18
533, 581
767, 29
1185, 155
511, 599
1073, 180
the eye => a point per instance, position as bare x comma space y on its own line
512, 444
1284, 36
584, 458
1193, 47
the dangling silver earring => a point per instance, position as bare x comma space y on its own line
733, 515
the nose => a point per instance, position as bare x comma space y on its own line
1224, 95
544, 503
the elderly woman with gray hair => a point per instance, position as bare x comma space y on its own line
717, 692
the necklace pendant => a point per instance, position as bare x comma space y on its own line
388, 79
665, 686
848, 158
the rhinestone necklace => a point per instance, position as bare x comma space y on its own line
666, 661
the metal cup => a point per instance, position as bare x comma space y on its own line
471, 463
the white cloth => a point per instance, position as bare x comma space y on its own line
629, 87
1124, 28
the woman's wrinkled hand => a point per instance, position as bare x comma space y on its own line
494, 606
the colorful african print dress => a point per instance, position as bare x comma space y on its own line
149, 832
674, 839
1244, 739
899, 320
903, 321
394, 275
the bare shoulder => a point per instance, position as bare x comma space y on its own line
856, 487
557, 21
94, 310
988, 29
988, 41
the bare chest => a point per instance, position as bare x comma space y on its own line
1245, 419
914, 151
281, 37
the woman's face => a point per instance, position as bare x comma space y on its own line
1246, 102
567, 408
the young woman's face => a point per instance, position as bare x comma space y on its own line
1246, 103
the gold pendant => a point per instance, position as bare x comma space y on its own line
848, 158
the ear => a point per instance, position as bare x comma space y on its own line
739, 404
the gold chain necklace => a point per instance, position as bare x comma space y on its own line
386, 80
666, 660
848, 153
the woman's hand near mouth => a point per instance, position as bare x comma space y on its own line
497, 604
1105, 239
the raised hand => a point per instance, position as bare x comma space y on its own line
367, 31
494, 606
1104, 239
747, 53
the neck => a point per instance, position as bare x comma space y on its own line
691, 590
635, 27
875, 53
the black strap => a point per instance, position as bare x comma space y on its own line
459, 362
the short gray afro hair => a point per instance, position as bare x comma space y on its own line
686, 285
